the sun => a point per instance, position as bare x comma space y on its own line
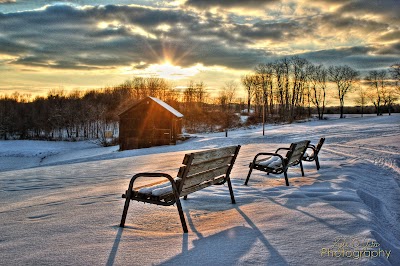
167, 63
170, 71
167, 70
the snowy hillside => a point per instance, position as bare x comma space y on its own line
61, 202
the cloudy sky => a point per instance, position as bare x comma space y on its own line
93, 43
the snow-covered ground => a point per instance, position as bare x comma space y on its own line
61, 202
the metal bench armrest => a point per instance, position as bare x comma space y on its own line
284, 149
268, 153
167, 176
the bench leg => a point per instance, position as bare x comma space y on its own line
181, 215
286, 178
317, 162
248, 175
301, 167
126, 206
231, 191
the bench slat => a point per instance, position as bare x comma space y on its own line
195, 188
208, 155
208, 165
204, 176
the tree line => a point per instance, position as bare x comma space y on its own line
94, 114
284, 90
75, 115
288, 89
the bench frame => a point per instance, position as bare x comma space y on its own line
293, 157
316, 149
214, 174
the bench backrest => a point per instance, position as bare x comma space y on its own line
319, 146
296, 152
205, 168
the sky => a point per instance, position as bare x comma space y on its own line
88, 44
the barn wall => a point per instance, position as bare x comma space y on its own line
148, 124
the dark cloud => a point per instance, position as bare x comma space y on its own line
392, 49
390, 36
65, 36
69, 37
359, 57
331, 1
277, 31
337, 22
387, 8
228, 3
10, 47
61, 64
332, 56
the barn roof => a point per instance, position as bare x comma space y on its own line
166, 106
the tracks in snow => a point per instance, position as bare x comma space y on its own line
388, 157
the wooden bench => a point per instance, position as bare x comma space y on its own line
199, 170
275, 163
313, 154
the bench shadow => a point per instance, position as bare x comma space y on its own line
274, 254
114, 249
224, 248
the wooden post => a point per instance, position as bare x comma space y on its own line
263, 114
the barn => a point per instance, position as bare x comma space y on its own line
149, 122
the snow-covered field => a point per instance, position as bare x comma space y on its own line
61, 202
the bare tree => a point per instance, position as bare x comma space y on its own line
154, 86
345, 78
189, 93
279, 74
298, 85
264, 80
389, 97
395, 72
249, 84
200, 92
139, 87
317, 77
229, 92
362, 99
376, 80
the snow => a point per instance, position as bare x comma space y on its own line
167, 106
61, 202
273, 162
157, 190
